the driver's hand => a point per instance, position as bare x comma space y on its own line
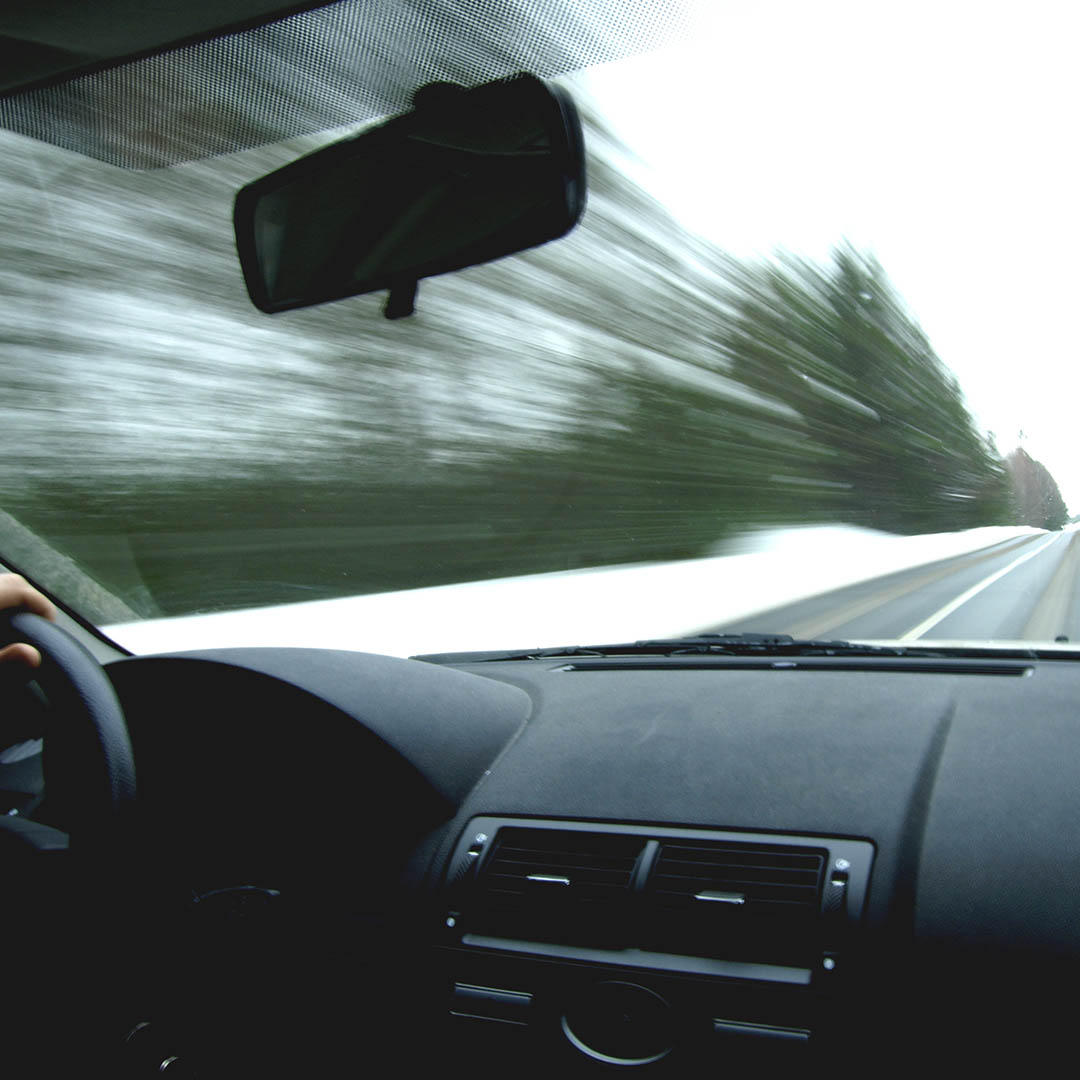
17, 592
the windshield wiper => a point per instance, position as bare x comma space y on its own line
696, 649
696, 645
727, 645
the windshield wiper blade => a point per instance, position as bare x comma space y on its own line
740, 644
744, 644
705, 645
748, 646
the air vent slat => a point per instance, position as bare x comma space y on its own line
751, 888
742, 873
564, 858
692, 885
730, 856
575, 873
701, 866
680, 903
524, 870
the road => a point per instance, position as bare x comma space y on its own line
1025, 589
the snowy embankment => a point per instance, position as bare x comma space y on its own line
609, 604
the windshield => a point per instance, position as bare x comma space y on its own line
801, 369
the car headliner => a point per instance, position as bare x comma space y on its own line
142, 87
44, 40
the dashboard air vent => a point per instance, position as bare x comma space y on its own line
550, 885
728, 898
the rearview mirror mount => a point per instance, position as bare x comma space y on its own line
465, 177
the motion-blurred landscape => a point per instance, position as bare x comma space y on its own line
628, 394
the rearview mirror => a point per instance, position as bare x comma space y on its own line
465, 177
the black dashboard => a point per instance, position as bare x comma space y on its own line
652, 864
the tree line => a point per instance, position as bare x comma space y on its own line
630, 393
1036, 498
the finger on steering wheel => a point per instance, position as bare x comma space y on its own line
17, 592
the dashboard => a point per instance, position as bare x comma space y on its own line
652, 864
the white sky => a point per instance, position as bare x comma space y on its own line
942, 136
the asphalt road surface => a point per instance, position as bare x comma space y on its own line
1026, 589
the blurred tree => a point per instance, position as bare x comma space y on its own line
836, 344
1038, 500
628, 393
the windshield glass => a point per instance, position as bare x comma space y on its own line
799, 370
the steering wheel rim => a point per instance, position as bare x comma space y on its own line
88, 763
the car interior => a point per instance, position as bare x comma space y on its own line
671, 857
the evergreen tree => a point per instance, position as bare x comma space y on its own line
1037, 498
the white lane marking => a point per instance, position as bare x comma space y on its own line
964, 597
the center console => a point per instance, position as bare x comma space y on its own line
586, 946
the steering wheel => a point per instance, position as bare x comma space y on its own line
87, 761
73, 915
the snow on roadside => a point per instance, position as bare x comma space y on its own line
607, 604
